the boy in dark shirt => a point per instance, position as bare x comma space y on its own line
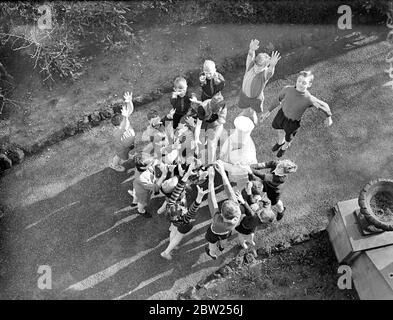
273, 180
294, 101
212, 82
256, 214
180, 100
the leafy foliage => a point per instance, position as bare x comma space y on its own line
57, 51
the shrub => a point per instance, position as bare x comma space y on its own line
57, 51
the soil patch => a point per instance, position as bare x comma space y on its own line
382, 206
306, 271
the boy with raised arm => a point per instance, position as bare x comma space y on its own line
123, 134
225, 218
259, 69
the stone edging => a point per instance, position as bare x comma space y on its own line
11, 154
246, 258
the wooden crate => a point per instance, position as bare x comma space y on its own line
346, 236
372, 274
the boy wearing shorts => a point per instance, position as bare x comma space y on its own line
294, 101
225, 218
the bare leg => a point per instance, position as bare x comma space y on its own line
252, 238
212, 144
213, 249
242, 240
281, 136
279, 206
141, 208
162, 208
175, 238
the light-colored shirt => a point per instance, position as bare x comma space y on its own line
254, 83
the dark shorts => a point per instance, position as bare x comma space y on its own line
185, 228
212, 237
273, 194
241, 229
122, 152
289, 126
246, 102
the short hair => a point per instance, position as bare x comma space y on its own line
169, 185
256, 184
180, 82
307, 74
288, 166
261, 57
117, 119
140, 164
230, 209
152, 114
217, 102
209, 65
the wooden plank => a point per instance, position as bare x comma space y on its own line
370, 281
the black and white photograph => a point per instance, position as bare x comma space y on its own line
196, 155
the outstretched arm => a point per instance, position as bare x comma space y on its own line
319, 104
272, 64
276, 102
212, 199
254, 45
227, 185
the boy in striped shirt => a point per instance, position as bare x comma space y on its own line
181, 218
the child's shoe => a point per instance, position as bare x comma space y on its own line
117, 167
132, 194
244, 244
213, 256
145, 214
165, 255
277, 146
280, 215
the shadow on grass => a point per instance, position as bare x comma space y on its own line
97, 245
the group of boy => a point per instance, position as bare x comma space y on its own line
170, 162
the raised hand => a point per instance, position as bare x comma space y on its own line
201, 193
220, 166
171, 113
274, 58
254, 45
239, 197
194, 99
128, 97
190, 121
328, 121
124, 111
171, 167
249, 187
180, 168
